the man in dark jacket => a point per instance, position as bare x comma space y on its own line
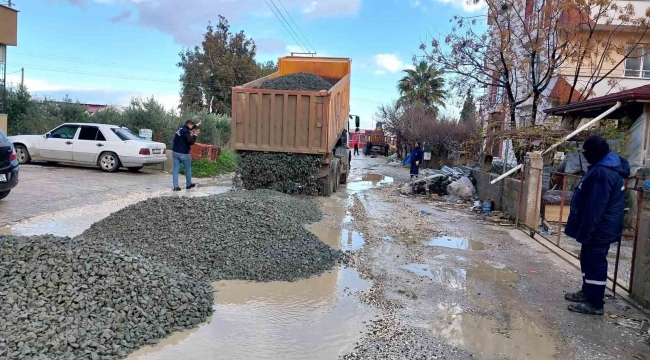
184, 138
416, 160
596, 221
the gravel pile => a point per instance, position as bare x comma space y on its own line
60, 298
256, 235
284, 172
297, 82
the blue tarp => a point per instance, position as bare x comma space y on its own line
407, 161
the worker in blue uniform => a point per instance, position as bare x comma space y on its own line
596, 221
416, 160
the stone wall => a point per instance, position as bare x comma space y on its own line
505, 193
641, 286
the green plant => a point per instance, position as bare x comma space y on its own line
204, 168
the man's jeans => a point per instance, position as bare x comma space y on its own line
186, 159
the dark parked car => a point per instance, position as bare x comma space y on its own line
8, 166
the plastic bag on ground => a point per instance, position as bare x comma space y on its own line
461, 188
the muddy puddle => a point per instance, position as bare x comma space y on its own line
73, 222
336, 237
315, 318
367, 181
455, 243
486, 338
454, 277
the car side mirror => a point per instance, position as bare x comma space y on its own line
47, 136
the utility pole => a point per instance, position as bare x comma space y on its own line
22, 77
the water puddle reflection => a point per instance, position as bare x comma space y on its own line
336, 237
308, 319
368, 181
455, 243
486, 338
457, 277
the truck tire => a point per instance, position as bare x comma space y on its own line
335, 179
326, 186
343, 179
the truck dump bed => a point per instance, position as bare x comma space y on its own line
308, 122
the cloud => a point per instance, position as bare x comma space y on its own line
91, 94
270, 45
388, 63
466, 5
124, 15
417, 4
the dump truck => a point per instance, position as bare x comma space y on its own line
376, 141
300, 122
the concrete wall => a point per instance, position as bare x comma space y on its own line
641, 285
505, 194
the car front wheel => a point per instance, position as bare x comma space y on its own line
22, 154
109, 162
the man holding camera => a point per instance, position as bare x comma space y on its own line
184, 138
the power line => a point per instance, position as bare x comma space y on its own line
214, 87
297, 27
160, 80
285, 27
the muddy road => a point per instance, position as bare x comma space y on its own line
426, 280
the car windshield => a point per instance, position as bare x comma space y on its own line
125, 134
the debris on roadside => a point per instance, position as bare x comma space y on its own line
248, 235
298, 82
65, 298
453, 184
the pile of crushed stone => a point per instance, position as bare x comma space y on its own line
298, 82
247, 235
284, 172
62, 299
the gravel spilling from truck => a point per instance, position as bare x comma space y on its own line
297, 82
256, 235
63, 298
284, 172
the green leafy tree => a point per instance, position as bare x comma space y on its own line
468, 114
223, 60
423, 84
268, 68
19, 105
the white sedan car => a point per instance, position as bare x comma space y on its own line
107, 146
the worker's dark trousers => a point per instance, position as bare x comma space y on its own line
593, 262
356, 151
415, 170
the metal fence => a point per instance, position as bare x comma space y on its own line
622, 273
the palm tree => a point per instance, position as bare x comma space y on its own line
423, 84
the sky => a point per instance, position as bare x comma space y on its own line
108, 51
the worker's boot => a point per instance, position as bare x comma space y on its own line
576, 296
586, 308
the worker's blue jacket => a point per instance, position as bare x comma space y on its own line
598, 204
417, 155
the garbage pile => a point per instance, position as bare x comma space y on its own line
394, 160
284, 172
457, 183
298, 82
69, 299
247, 235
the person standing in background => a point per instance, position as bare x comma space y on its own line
596, 221
416, 160
356, 148
184, 138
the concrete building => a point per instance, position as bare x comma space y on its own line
626, 68
8, 37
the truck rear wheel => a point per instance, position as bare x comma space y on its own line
343, 178
326, 185
336, 178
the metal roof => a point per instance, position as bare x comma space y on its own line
641, 93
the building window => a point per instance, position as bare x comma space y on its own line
637, 63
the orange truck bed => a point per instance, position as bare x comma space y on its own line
308, 122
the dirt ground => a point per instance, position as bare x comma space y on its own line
487, 292
426, 280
